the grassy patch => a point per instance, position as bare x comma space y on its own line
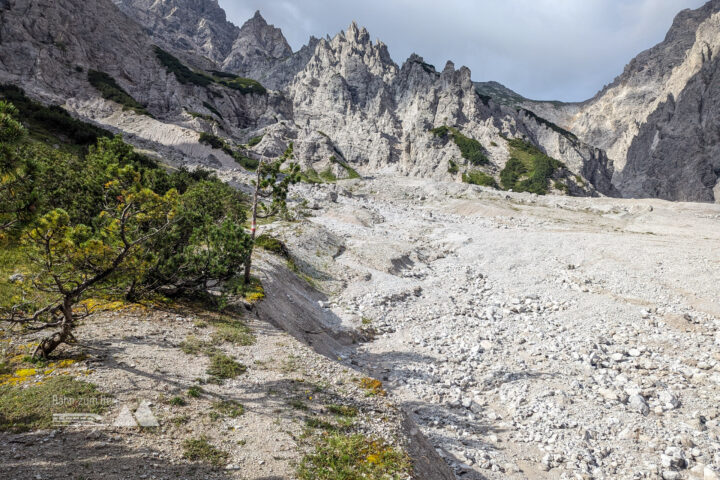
229, 408
453, 167
476, 177
201, 450
192, 345
315, 422
344, 457
327, 175
178, 401
343, 410
204, 116
272, 244
351, 172
31, 408
563, 187
110, 90
252, 293
234, 332
195, 391
310, 176
470, 149
223, 367
528, 169
13, 260
182, 73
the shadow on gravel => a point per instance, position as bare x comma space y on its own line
90, 455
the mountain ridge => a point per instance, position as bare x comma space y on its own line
374, 115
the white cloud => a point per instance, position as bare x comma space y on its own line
560, 49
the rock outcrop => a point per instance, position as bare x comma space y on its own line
658, 121
200, 28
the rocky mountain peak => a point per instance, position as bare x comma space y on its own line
356, 35
449, 67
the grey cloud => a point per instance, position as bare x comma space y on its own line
544, 49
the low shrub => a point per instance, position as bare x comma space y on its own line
476, 177
470, 149
223, 367
201, 450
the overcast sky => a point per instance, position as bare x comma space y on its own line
543, 49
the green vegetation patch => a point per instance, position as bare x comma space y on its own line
201, 450
343, 410
529, 169
243, 85
182, 73
212, 109
32, 408
110, 90
187, 76
255, 140
272, 244
54, 120
229, 408
223, 367
327, 175
547, 123
220, 144
344, 457
310, 176
476, 177
351, 172
453, 167
234, 332
470, 149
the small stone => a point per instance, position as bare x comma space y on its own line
16, 278
710, 474
669, 401
638, 404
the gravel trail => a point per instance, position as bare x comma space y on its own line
534, 337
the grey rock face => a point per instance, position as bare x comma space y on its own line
658, 120
190, 26
257, 49
200, 28
379, 116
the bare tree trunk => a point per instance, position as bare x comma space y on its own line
49, 344
253, 226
